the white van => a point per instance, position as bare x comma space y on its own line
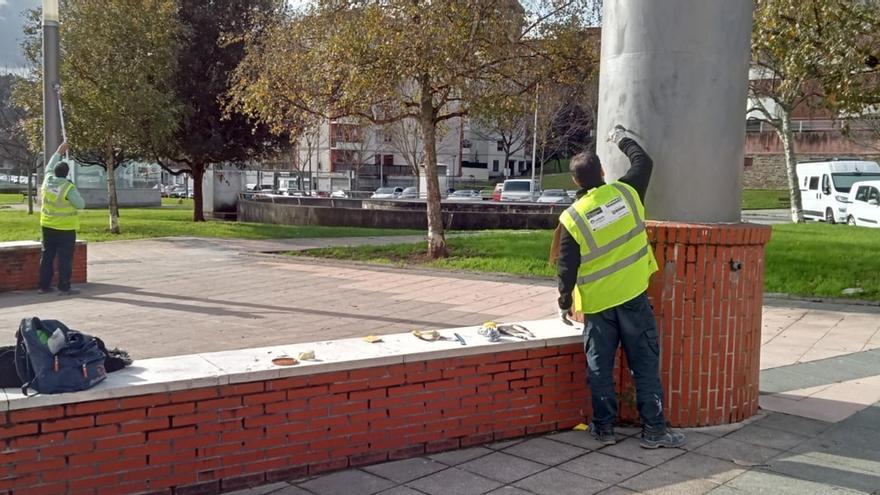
519, 190
825, 186
864, 204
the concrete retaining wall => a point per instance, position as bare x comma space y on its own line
349, 213
97, 198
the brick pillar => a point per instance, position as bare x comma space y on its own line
708, 297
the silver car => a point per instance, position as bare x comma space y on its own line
554, 196
387, 193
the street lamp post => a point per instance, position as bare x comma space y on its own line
51, 80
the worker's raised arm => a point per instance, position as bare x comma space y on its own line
639, 174
53, 161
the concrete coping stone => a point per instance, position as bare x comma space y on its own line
14, 245
175, 373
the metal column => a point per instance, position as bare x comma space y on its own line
675, 72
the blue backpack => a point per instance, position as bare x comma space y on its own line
78, 365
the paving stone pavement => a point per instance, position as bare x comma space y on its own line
819, 433
823, 458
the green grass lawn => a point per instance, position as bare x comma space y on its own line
752, 199
764, 199
805, 260
10, 198
138, 223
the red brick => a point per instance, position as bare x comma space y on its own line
165, 435
144, 401
92, 433
193, 395
39, 466
67, 424
36, 414
327, 378
120, 417
120, 441
219, 404
82, 408
13, 430
193, 419
171, 410
146, 425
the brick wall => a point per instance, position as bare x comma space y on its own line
205, 440
768, 170
20, 265
708, 320
708, 299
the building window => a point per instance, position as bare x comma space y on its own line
522, 166
494, 165
749, 161
377, 160
500, 146
387, 160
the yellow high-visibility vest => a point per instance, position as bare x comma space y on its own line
608, 224
57, 212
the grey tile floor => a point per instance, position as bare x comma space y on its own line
771, 454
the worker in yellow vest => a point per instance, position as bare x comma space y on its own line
604, 266
59, 222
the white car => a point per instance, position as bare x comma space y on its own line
339, 193
410, 193
554, 196
826, 186
520, 190
387, 193
864, 204
465, 195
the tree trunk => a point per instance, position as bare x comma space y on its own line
787, 136
111, 190
436, 237
30, 193
198, 173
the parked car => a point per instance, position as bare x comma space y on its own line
410, 193
496, 194
520, 190
554, 196
387, 193
571, 194
826, 186
178, 192
465, 195
339, 193
863, 208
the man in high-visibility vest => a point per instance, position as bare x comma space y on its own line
604, 265
59, 222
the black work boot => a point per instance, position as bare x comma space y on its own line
667, 439
604, 435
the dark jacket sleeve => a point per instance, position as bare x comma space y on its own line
641, 165
567, 268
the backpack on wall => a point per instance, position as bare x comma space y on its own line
77, 365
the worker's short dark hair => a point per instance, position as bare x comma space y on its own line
586, 169
62, 169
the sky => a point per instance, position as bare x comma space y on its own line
11, 22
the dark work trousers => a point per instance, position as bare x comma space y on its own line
631, 324
57, 243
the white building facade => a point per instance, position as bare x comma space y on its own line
345, 155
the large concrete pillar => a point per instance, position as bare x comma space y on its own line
675, 72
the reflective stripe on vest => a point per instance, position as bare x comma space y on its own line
57, 208
57, 212
616, 259
587, 234
600, 274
